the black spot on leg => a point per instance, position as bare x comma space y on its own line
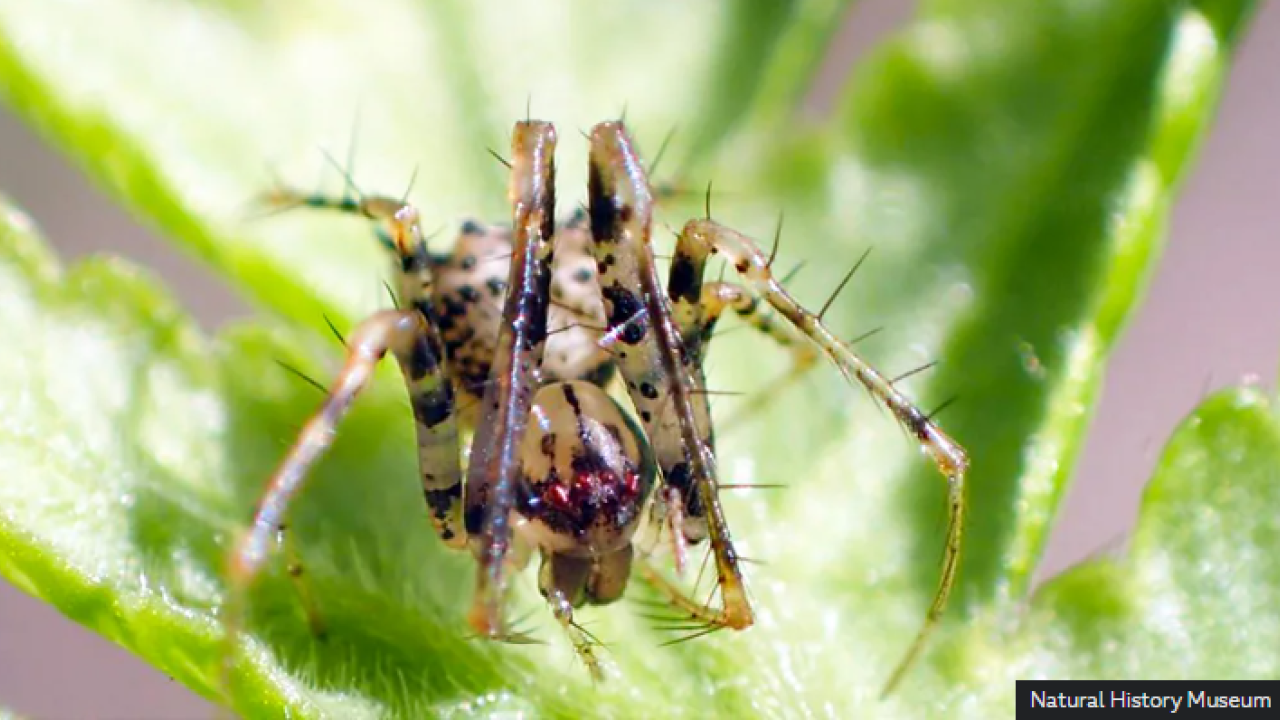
601, 374
468, 262
468, 294
582, 276
680, 477
496, 286
471, 227
683, 283
454, 307
625, 309
473, 519
649, 391
433, 407
917, 423
646, 416
440, 500
413, 263
571, 397
601, 207
422, 361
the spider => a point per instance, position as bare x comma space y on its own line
515, 334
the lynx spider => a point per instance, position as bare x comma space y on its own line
556, 463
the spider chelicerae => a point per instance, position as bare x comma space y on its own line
515, 334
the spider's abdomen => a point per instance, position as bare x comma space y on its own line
587, 472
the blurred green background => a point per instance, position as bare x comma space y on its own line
1200, 328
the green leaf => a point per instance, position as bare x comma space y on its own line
1199, 571
1012, 164
189, 122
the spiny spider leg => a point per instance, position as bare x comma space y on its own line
553, 578
432, 397
696, 308
404, 333
947, 455
691, 614
719, 296
494, 470
659, 372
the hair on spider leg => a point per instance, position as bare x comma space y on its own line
914, 371
777, 242
942, 406
716, 393
702, 570
395, 302
576, 326
413, 180
280, 199
612, 336
868, 334
752, 486
348, 170
334, 329
662, 150
790, 275
665, 623
276, 201
679, 623
707, 630
303, 376
349, 182
590, 636
848, 276
496, 156
519, 632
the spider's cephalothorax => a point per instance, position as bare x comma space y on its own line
515, 335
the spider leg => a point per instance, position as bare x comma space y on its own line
691, 614
946, 454
371, 207
494, 470
696, 308
719, 296
562, 580
406, 334
661, 374
400, 232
